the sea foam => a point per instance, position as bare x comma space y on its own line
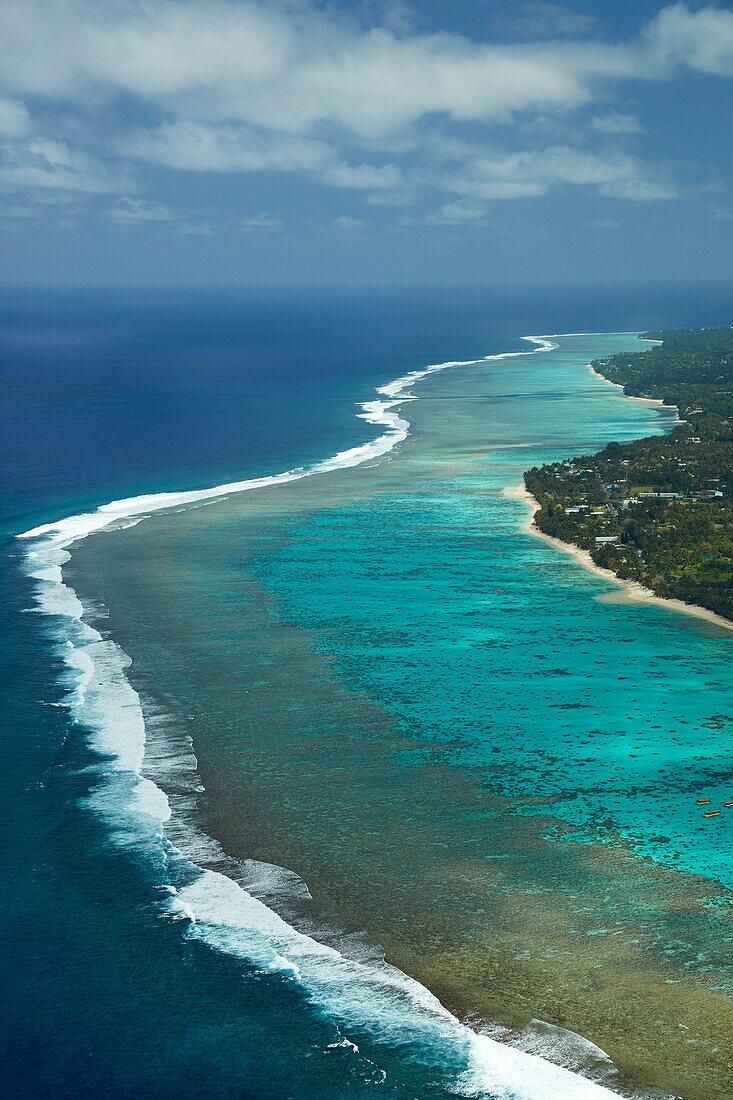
217, 899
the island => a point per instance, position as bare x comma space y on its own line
657, 511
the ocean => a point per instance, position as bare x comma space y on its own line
354, 713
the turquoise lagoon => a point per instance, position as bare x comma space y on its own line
375, 678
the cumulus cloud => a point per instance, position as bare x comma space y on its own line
702, 39
44, 163
457, 213
293, 86
285, 67
199, 147
616, 123
15, 121
532, 172
127, 211
365, 177
639, 190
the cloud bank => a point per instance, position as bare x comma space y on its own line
95, 96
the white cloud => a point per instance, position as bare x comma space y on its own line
366, 177
15, 120
533, 172
153, 49
290, 86
127, 211
348, 224
292, 66
457, 213
639, 190
616, 123
286, 67
701, 39
197, 147
44, 163
379, 85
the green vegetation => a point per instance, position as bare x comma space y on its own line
659, 510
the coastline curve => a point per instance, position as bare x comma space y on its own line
216, 909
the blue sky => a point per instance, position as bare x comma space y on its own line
304, 142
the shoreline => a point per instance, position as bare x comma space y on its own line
61, 534
445, 991
635, 592
655, 401
213, 898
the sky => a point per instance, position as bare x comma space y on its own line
305, 142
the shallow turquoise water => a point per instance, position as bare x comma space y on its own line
380, 670
435, 600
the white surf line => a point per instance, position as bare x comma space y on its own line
381, 411
382, 1001
623, 332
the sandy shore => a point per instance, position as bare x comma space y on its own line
632, 591
639, 400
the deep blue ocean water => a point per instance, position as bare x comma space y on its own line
109, 393
115, 393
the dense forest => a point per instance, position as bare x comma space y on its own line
658, 510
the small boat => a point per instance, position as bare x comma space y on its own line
703, 801
728, 804
712, 813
